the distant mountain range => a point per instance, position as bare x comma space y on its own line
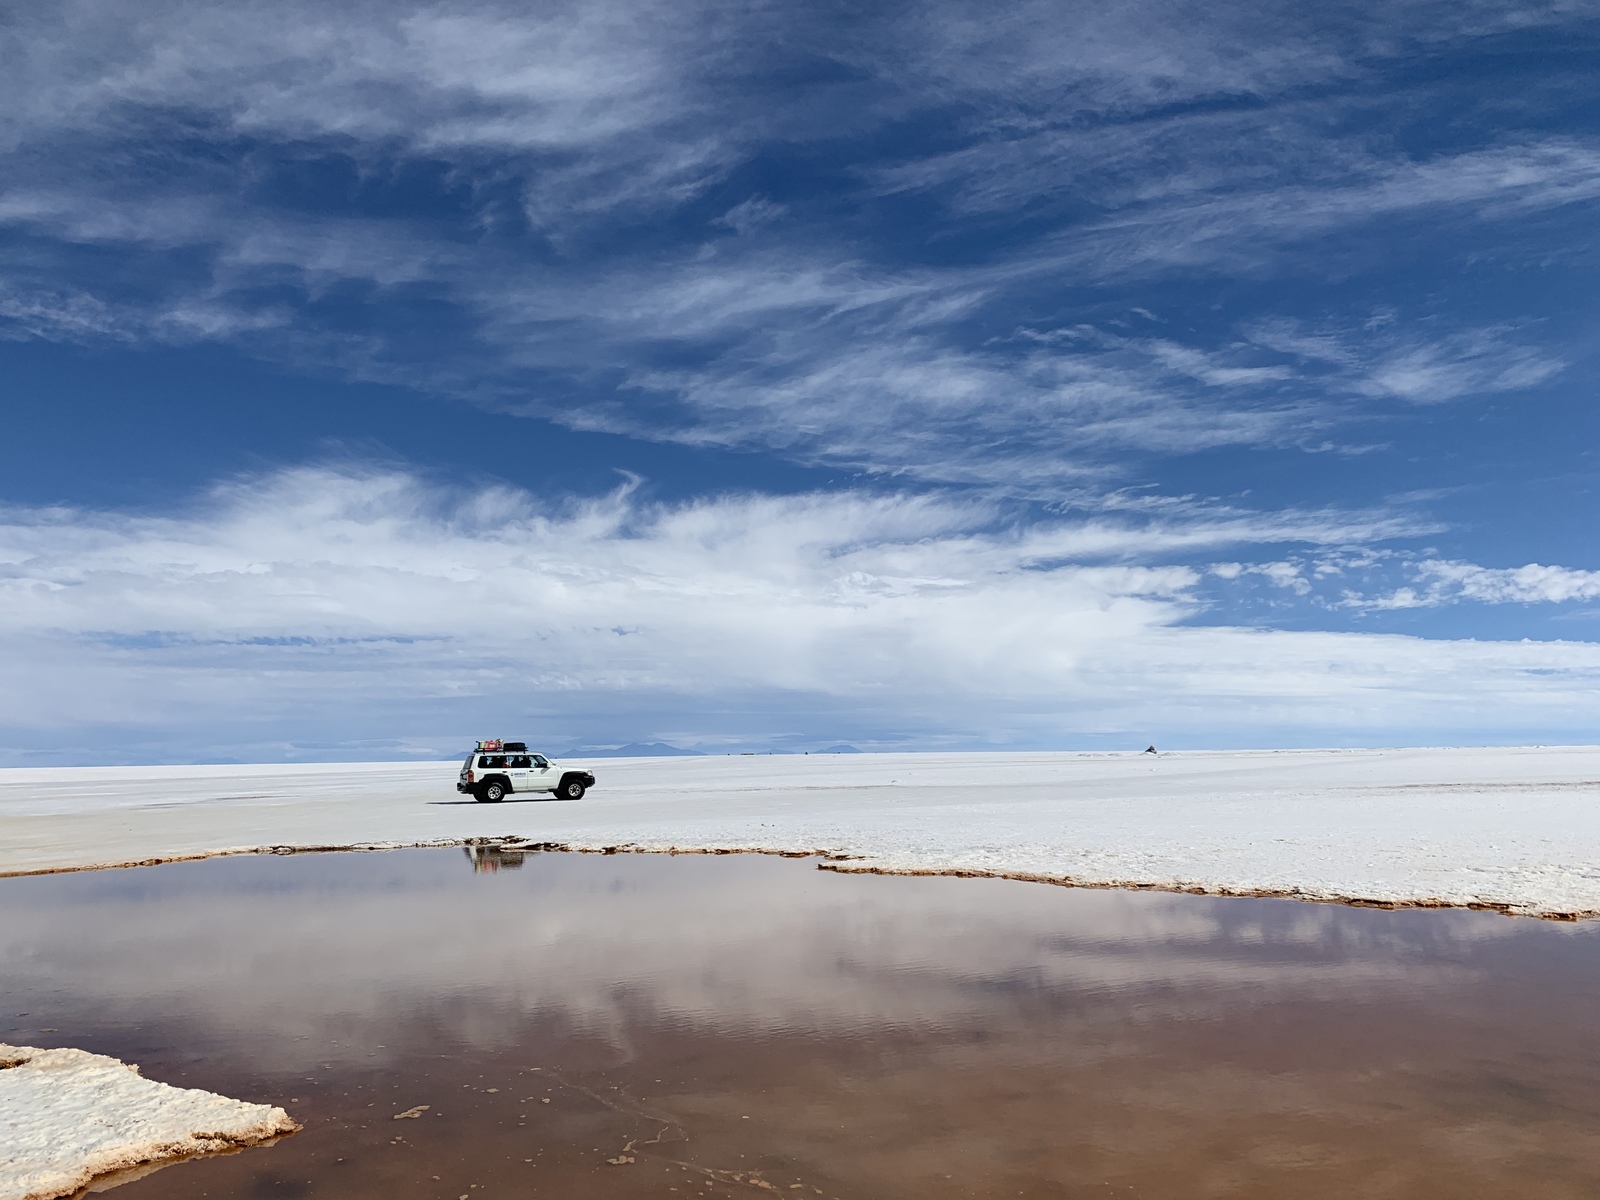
663, 750
631, 750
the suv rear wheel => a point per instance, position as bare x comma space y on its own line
492, 792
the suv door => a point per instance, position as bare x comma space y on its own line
519, 767
544, 776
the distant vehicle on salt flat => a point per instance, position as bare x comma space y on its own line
496, 769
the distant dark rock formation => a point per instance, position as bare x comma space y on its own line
631, 750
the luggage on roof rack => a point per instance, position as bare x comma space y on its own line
519, 747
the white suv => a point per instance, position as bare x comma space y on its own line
496, 769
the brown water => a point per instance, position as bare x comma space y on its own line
675, 1027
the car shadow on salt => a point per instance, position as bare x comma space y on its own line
536, 798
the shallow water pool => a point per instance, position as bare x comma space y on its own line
695, 1025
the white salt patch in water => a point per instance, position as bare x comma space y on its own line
68, 1117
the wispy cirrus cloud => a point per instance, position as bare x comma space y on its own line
761, 346
570, 189
1380, 361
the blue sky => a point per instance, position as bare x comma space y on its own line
744, 376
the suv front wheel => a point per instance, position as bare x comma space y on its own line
571, 789
492, 792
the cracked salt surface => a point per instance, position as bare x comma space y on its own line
1512, 829
68, 1117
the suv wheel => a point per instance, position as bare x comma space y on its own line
571, 789
492, 792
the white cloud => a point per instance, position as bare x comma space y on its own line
1442, 581
751, 214
1120, 57
476, 74
321, 603
1280, 226
1364, 575
1284, 575
1390, 360
428, 77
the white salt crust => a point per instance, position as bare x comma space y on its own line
1514, 829
68, 1117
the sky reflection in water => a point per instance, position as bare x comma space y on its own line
1031, 1035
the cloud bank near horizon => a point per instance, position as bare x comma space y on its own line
256, 617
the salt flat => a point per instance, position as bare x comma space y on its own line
68, 1117
1517, 829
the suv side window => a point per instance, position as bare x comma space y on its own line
540, 761
518, 760
491, 761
